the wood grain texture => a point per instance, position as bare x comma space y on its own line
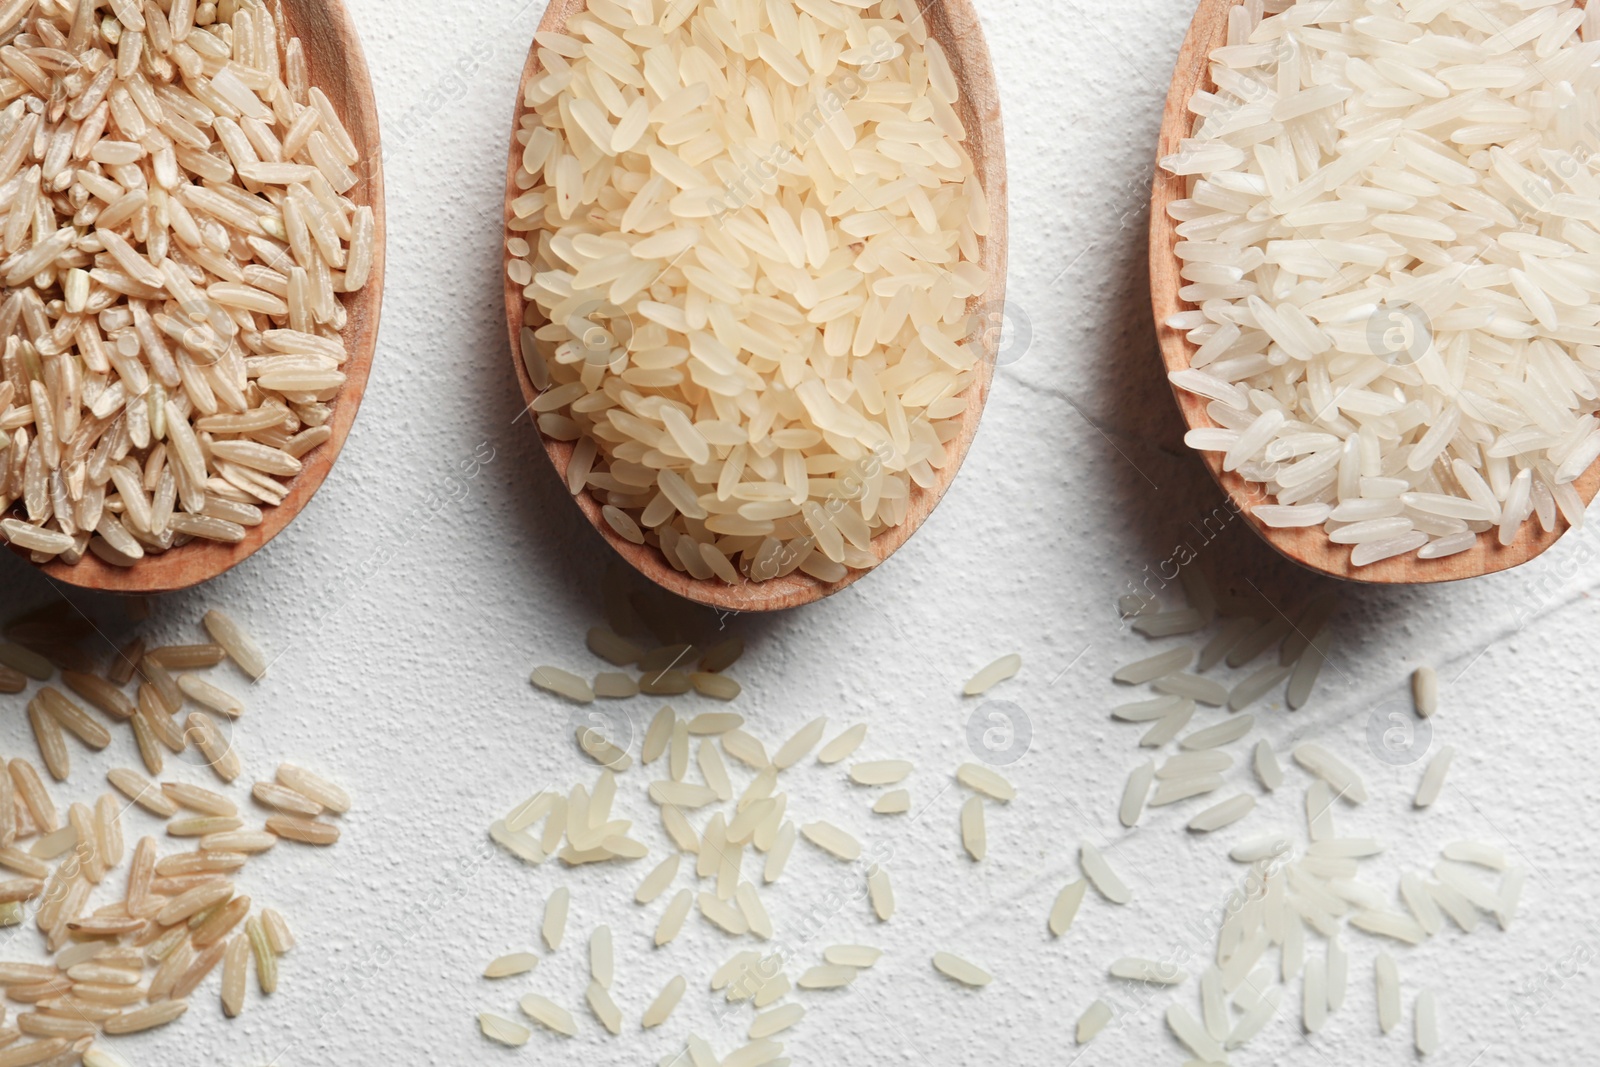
339, 68
954, 24
1308, 547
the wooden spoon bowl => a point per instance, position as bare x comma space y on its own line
954, 24
337, 66
1309, 546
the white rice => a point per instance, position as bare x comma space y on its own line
1478, 853
1319, 811
1224, 814
1257, 686
672, 919
843, 746
1099, 872
1314, 996
1000, 670
1510, 896
1189, 1031
1223, 733
831, 839
1427, 1024
1360, 354
502, 1030
1153, 667
881, 893
666, 1001
1204, 690
800, 745
604, 1008
1255, 1019
549, 1015
775, 1021
894, 802
1135, 792
881, 772
1151, 710
1135, 969
1421, 904
1175, 790
1169, 726
858, 956
1433, 777
987, 781
974, 834
554, 927
1333, 770
779, 855
1092, 1021
1189, 764
960, 970
1388, 976
1268, 771
827, 976
563, 684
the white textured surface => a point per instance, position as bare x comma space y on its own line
442, 562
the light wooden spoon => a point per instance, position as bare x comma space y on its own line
1309, 547
338, 67
954, 24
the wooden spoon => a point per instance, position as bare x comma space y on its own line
338, 67
954, 24
1310, 546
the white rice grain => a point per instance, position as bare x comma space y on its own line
1100, 874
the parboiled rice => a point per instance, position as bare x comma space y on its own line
757, 376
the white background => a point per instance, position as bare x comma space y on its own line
405, 632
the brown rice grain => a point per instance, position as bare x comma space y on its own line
314, 786
159, 1014
265, 958
305, 831
277, 930
141, 791
235, 969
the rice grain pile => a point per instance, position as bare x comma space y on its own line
1392, 241
176, 237
1303, 904
127, 950
1293, 926
748, 237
